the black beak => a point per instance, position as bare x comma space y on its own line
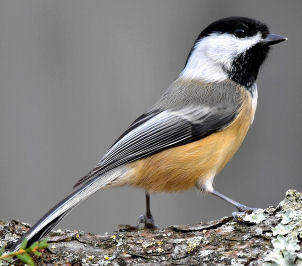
272, 39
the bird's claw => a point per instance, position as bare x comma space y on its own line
146, 222
242, 209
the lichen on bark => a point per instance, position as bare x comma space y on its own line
271, 237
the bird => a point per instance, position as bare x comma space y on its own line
187, 137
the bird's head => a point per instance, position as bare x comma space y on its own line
230, 48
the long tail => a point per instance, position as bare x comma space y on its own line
58, 212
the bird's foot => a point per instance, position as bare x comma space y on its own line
145, 222
242, 209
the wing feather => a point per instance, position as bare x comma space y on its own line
160, 130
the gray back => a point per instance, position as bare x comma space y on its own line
183, 93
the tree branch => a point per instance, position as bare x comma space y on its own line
271, 236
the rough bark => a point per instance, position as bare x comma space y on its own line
272, 237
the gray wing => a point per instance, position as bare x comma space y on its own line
159, 130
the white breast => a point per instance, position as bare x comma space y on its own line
254, 92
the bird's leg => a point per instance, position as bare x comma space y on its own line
146, 220
207, 187
240, 207
148, 209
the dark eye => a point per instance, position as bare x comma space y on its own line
239, 33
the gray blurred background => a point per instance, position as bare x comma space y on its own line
75, 74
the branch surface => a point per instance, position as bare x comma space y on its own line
265, 237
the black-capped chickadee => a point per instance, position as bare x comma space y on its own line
193, 130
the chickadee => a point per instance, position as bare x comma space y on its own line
192, 131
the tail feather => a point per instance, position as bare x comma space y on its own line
58, 212
41, 233
95, 171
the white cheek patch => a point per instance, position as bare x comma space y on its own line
223, 48
201, 66
215, 53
